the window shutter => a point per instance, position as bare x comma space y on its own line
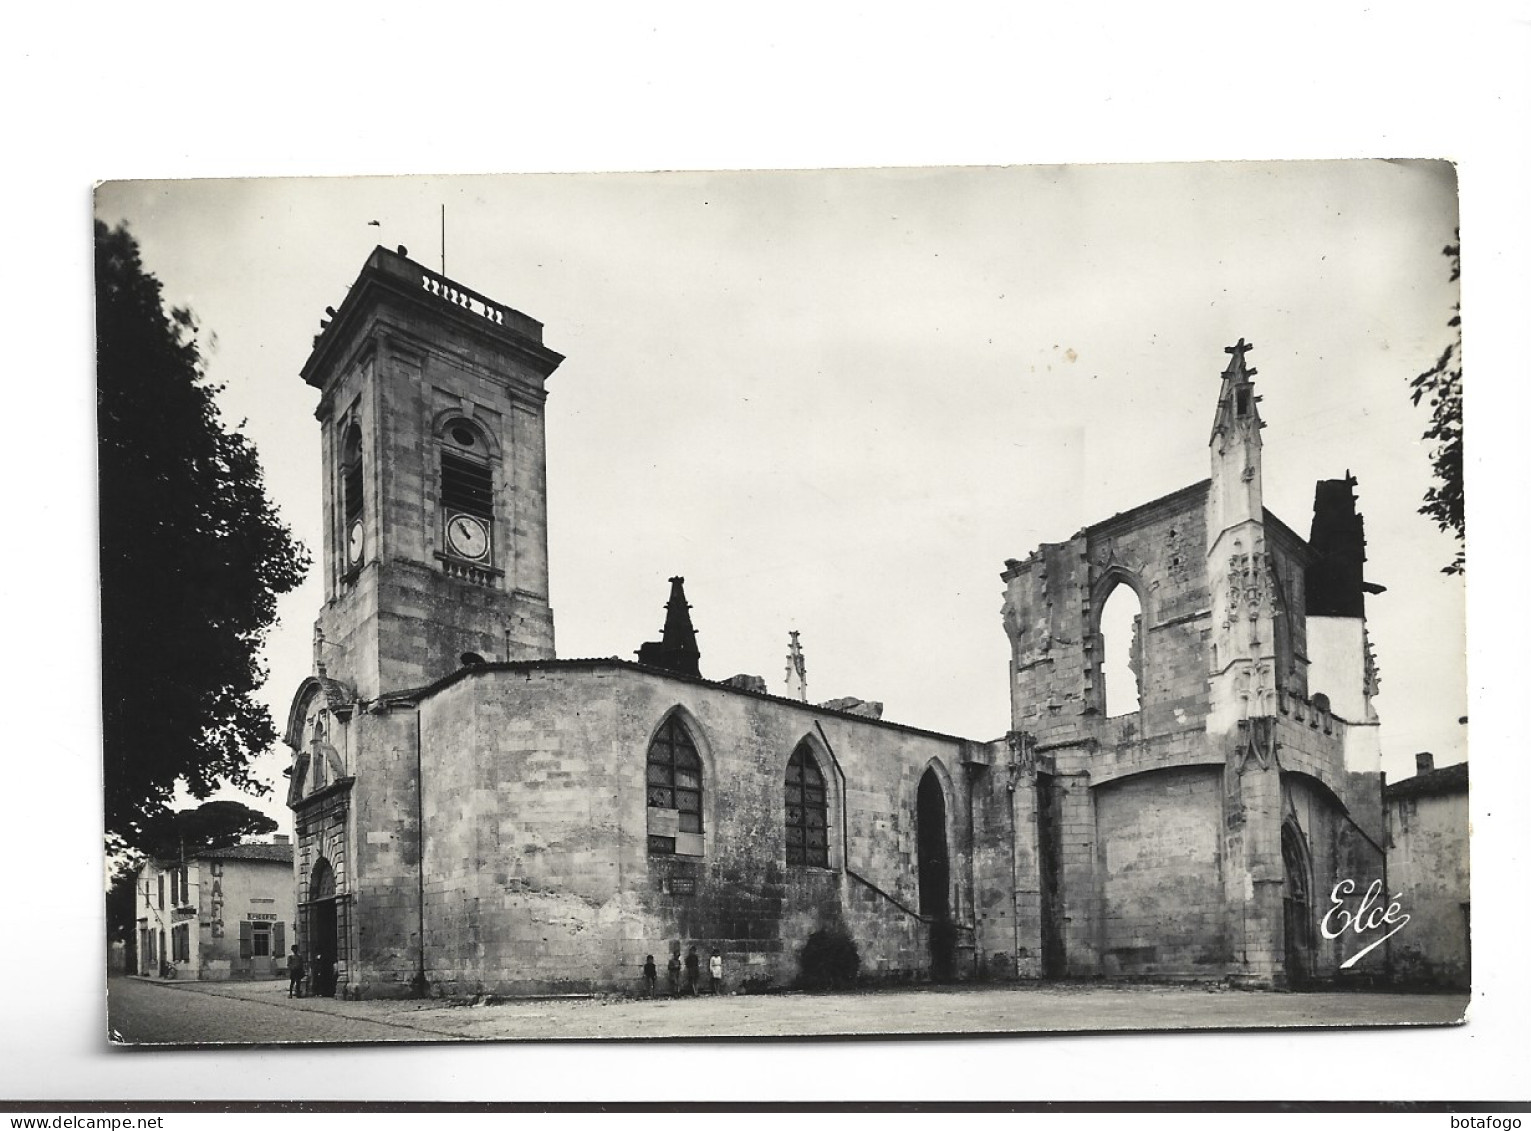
244, 938
278, 940
162, 891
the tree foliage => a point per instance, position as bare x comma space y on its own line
1442, 384
213, 824
193, 558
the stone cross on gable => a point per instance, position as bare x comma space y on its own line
1238, 351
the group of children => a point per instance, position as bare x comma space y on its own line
693, 971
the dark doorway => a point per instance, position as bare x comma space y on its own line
1297, 909
935, 875
323, 929
1049, 822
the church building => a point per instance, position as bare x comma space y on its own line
474, 814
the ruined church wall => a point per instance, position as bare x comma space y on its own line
1053, 604
1160, 852
538, 875
1160, 549
1006, 864
1045, 599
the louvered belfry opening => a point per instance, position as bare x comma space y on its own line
351, 470
466, 486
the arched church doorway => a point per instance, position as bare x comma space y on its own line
1297, 908
935, 874
323, 929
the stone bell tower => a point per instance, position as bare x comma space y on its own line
434, 485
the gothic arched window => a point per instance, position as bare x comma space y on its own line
674, 776
1121, 664
807, 810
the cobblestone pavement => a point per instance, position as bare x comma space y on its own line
145, 1011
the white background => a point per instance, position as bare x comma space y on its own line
182, 90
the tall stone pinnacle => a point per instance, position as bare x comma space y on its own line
676, 649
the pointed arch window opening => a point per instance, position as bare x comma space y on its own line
1121, 652
932, 858
807, 802
674, 783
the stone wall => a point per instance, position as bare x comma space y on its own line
1428, 868
384, 879
1053, 602
538, 874
1161, 874
1164, 855
1159, 549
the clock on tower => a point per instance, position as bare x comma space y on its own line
431, 406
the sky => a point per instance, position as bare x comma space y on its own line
838, 401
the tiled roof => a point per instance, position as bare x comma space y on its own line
1448, 779
278, 852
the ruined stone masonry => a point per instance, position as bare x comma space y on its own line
475, 815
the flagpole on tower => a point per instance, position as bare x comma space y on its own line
443, 239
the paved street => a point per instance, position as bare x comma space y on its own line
147, 1012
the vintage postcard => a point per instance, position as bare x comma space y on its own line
781, 604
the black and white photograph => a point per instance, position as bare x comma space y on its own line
783, 604
681, 558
